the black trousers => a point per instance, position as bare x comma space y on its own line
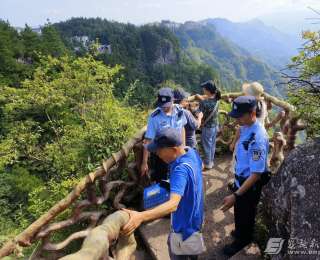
245, 209
159, 169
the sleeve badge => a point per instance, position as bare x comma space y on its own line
256, 155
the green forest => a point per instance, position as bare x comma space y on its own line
65, 105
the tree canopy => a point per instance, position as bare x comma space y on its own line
304, 82
55, 128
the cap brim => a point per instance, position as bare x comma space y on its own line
235, 114
152, 147
164, 105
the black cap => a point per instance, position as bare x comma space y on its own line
165, 97
242, 105
166, 137
180, 94
210, 86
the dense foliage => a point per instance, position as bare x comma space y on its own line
19, 51
305, 84
55, 128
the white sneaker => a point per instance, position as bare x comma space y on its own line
208, 166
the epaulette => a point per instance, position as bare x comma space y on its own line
251, 139
179, 111
156, 112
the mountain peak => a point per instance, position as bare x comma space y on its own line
256, 21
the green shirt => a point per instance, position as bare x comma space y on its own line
206, 107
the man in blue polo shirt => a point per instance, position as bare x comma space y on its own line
186, 193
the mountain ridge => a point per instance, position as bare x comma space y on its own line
261, 40
204, 44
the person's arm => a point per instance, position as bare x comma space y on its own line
199, 119
197, 97
183, 136
184, 122
137, 218
144, 165
201, 97
254, 177
149, 135
193, 122
178, 183
229, 201
258, 156
235, 139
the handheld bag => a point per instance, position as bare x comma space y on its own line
213, 112
193, 245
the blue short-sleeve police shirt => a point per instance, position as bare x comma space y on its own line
252, 151
159, 120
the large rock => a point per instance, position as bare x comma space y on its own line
291, 201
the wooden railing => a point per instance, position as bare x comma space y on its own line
102, 185
98, 186
286, 125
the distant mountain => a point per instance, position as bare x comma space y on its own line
262, 41
293, 22
186, 53
149, 54
204, 44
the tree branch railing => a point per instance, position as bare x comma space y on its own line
281, 142
42, 230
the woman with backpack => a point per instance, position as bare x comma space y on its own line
209, 106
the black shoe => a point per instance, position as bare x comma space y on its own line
234, 247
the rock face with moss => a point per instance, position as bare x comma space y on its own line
292, 202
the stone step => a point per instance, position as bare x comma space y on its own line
250, 252
155, 236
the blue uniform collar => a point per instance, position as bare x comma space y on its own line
178, 160
174, 111
254, 125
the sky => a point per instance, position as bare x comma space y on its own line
36, 12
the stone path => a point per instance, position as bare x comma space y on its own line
218, 224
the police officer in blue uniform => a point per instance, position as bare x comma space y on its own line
166, 115
250, 171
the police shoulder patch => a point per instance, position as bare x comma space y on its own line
256, 155
179, 111
156, 112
